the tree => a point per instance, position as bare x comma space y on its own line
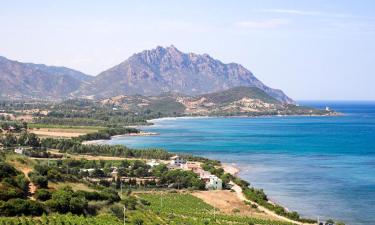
60, 201
29, 139
9, 140
40, 181
77, 205
130, 202
43, 194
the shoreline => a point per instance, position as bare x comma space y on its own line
332, 114
230, 168
102, 141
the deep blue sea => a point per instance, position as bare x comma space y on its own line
319, 166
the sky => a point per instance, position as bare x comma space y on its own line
312, 50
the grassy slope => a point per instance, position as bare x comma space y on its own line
234, 94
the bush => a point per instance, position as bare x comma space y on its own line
40, 181
117, 211
43, 194
7, 191
138, 221
18, 207
130, 202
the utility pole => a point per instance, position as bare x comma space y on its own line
124, 215
161, 200
121, 186
214, 211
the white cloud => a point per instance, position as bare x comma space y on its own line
263, 24
298, 12
288, 11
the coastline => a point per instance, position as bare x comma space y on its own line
228, 168
232, 169
102, 141
150, 121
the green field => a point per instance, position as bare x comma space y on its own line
40, 125
61, 220
179, 208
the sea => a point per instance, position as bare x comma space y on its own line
321, 166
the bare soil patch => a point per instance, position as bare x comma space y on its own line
229, 203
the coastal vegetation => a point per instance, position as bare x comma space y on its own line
42, 180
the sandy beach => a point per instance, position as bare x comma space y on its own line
102, 141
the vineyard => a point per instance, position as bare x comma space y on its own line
176, 208
61, 220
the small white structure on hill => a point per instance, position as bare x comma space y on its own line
114, 173
152, 163
18, 150
214, 183
177, 161
89, 171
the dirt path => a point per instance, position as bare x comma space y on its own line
32, 187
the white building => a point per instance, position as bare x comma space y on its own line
18, 150
153, 163
177, 160
214, 183
89, 171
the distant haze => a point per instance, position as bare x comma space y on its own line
309, 49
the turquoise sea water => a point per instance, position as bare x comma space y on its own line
319, 166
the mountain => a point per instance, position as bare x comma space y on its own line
159, 70
27, 80
238, 101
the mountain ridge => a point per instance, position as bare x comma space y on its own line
237, 101
158, 70
18, 79
150, 72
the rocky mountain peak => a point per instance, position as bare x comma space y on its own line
165, 69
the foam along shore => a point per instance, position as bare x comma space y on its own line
102, 141
230, 168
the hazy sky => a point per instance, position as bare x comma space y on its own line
317, 49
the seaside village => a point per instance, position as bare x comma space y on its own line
212, 182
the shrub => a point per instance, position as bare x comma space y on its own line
40, 181
17, 207
43, 194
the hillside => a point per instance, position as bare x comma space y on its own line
250, 101
159, 70
27, 80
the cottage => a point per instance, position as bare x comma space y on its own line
18, 150
204, 175
152, 163
214, 183
89, 171
114, 173
195, 167
177, 160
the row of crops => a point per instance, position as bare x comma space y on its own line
163, 209
61, 220
177, 208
